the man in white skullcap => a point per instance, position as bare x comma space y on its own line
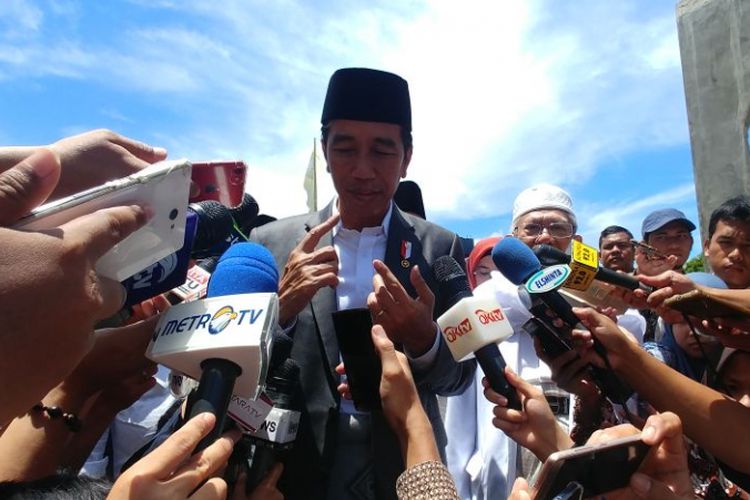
482, 459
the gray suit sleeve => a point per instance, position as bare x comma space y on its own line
445, 376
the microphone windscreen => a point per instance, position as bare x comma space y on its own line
244, 268
550, 256
246, 212
452, 282
515, 260
214, 224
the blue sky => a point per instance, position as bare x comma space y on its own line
585, 94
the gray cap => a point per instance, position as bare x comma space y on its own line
660, 218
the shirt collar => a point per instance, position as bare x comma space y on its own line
384, 225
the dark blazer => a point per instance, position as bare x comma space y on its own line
316, 350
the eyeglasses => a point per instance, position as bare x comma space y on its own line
555, 229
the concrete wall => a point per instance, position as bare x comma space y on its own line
715, 50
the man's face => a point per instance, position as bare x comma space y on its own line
545, 227
673, 239
617, 252
366, 161
728, 253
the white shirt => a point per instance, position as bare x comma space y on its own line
132, 428
356, 250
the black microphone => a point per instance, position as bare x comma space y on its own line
276, 435
245, 213
470, 325
215, 224
519, 264
550, 256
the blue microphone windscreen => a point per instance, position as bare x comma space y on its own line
515, 260
244, 268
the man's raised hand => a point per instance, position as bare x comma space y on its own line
307, 270
407, 321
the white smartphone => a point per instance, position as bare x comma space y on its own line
164, 187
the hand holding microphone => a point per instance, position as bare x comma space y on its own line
474, 326
534, 428
539, 286
224, 338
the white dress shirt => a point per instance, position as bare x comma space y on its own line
356, 250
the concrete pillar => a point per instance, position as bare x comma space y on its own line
715, 51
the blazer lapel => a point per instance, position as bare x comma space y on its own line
324, 301
403, 250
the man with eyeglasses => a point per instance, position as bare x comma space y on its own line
482, 459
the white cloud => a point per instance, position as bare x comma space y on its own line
19, 17
631, 212
504, 94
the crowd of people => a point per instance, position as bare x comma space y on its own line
82, 407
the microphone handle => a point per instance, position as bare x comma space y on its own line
621, 279
493, 366
264, 457
213, 395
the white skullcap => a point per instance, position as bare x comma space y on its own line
542, 197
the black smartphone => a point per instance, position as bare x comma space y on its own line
598, 468
363, 370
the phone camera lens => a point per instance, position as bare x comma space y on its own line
173, 214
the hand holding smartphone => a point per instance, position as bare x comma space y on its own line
597, 468
162, 187
363, 369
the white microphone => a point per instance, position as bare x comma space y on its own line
225, 339
473, 326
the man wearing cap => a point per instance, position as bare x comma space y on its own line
483, 460
360, 251
669, 232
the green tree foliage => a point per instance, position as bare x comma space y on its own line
695, 264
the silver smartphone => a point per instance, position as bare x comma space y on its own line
164, 187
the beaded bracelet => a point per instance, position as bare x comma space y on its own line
71, 420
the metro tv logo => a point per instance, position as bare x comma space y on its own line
215, 323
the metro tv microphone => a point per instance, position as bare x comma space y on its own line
224, 339
517, 262
473, 325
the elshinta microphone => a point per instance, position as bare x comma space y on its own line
549, 255
223, 340
517, 262
473, 325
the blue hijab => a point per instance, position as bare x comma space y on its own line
690, 367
